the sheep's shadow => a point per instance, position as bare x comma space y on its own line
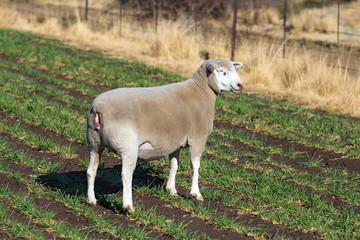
108, 181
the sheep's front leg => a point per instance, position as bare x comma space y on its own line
128, 166
173, 159
195, 192
91, 174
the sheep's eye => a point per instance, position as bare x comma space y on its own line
224, 73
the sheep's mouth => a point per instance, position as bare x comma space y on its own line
236, 90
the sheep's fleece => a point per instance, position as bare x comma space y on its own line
150, 123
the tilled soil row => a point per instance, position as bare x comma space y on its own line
16, 215
273, 231
70, 91
330, 158
163, 208
49, 73
332, 199
109, 59
5, 234
62, 213
65, 164
337, 201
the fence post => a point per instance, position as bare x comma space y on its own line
285, 10
86, 10
233, 39
121, 13
156, 15
59, 14
338, 23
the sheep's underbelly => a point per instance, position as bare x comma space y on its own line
148, 151
146, 146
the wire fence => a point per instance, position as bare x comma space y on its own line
325, 16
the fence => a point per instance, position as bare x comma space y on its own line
287, 10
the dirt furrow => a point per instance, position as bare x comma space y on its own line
273, 231
62, 213
16, 215
240, 146
195, 223
70, 91
65, 164
50, 73
330, 158
5, 234
331, 199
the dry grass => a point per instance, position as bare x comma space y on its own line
300, 78
317, 24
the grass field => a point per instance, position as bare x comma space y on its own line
270, 169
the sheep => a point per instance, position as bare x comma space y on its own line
154, 122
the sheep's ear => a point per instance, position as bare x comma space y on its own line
209, 69
237, 64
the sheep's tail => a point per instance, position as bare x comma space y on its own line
95, 119
98, 120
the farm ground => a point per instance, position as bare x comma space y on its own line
270, 169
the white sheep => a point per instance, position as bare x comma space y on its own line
150, 123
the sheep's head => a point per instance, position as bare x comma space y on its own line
222, 76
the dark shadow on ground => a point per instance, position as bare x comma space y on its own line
108, 181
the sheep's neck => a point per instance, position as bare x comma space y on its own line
201, 81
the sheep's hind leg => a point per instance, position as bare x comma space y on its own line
129, 158
91, 174
170, 185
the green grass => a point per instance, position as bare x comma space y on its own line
176, 229
38, 81
285, 203
26, 205
40, 165
16, 229
42, 143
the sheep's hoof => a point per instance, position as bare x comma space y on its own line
197, 196
172, 192
91, 201
128, 208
